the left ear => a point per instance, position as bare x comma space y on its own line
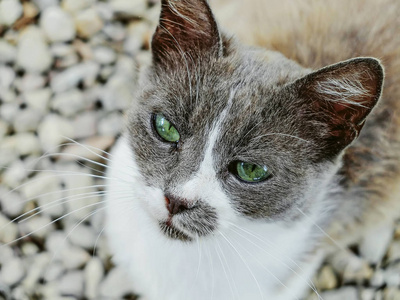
341, 96
187, 31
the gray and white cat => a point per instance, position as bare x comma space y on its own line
237, 156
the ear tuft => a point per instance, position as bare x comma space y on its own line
342, 96
187, 30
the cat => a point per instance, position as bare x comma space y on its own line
236, 160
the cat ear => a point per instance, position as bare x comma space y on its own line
340, 97
186, 31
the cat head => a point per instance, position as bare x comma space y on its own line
222, 131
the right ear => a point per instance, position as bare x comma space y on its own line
186, 32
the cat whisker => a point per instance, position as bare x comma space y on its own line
52, 222
244, 262
306, 280
217, 250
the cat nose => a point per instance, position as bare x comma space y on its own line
176, 205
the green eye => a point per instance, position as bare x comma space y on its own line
250, 172
165, 129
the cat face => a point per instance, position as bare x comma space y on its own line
221, 131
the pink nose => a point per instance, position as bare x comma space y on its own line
176, 205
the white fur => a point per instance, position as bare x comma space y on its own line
243, 259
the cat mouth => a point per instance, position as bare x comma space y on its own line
172, 232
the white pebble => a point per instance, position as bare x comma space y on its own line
37, 266
27, 143
38, 226
31, 82
27, 120
367, 294
128, 7
9, 231
53, 271
82, 236
118, 93
45, 187
11, 203
116, 284
6, 254
7, 95
348, 293
10, 11
392, 276
71, 284
88, 23
74, 6
73, 257
43, 4
33, 53
70, 78
29, 249
94, 272
7, 52
394, 251
374, 245
53, 130
61, 49
38, 99
68, 103
111, 124
7, 76
377, 279
104, 55
4, 129
85, 125
55, 242
57, 24
12, 271
15, 174
115, 31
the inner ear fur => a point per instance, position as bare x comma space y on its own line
341, 96
187, 31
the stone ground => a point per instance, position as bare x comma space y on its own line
67, 69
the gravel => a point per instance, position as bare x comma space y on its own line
68, 70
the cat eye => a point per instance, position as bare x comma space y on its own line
165, 129
249, 172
